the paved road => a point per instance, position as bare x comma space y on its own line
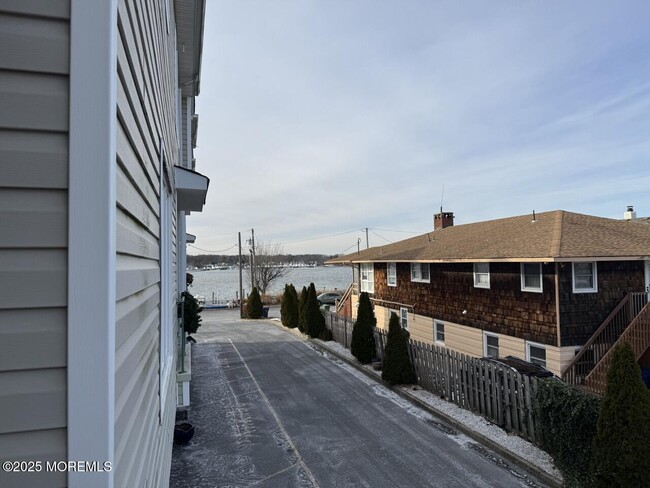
271, 411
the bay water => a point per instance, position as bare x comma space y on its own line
224, 283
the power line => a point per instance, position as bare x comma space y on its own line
394, 230
213, 252
317, 238
390, 242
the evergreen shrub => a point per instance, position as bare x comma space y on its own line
316, 321
621, 447
397, 368
303, 310
285, 306
363, 335
293, 308
566, 424
254, 307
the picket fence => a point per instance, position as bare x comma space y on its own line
492, 390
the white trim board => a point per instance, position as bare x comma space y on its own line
91, 238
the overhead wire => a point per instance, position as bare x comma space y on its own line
213, 252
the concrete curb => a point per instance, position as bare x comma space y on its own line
506, 453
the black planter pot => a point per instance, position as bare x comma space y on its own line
183, 433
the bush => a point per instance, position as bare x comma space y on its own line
316, 321
363, 336
192, 319
303, 310
292, 309
396, 368
566, 419
254, 307
621, 448
285, 306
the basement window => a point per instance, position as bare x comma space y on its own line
585, 278
531, 277
491, 345
404, 317
536, 354
481, 275
438, 332
420, 272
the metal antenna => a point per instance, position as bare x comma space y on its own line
442, 198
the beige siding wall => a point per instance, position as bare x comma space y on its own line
146, 111
34, 69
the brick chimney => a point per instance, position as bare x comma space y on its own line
442, 220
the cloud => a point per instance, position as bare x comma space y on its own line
321, 117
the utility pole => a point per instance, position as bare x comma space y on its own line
252, 259
367, 241
241, 292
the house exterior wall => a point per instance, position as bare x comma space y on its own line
503, 308
34, 81
582, 313
147, 127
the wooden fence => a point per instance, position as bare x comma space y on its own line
492, 390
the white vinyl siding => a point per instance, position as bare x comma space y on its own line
531, 277
391, 274
420, 272
481, 275
34, 89
585, 277
146, 245
367, 277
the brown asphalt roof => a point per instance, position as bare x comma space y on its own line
553, 236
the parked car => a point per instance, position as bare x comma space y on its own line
329, 298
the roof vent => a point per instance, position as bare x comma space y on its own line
629, 214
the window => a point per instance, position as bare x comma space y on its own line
491, 345
367, 278
531, 277
585, 278
167, 299
536, 354
438, 332
481, 275
420, 272
391, 273
404, 317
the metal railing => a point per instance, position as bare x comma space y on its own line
601, 342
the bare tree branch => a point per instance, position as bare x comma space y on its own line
268, 265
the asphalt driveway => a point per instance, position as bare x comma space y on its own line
270, 410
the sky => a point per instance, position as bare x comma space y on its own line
321, 118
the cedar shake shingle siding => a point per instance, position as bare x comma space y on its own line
582, 313
503, 308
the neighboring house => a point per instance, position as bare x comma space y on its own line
97, 128
536, 287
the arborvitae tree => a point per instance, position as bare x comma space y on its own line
190, 313
293, 308
396, 368
285, 305
363, 335
303, 310
621, 448
316, 322
254, 307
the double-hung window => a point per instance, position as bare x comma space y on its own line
367, 277
481, 275
404, 317
438, 332
585, 279
391, 274
491, 345
420, 272
531, 277
536, 354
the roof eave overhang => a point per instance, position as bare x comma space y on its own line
191, 189
189, 42
496, 260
